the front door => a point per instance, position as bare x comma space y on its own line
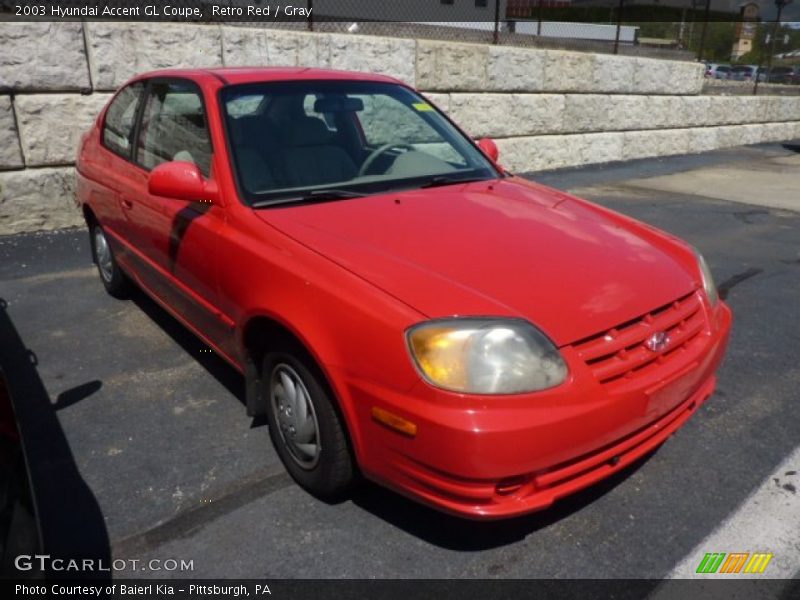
176, 239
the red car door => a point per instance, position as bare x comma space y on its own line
175, 240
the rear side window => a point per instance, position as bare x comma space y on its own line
174, 127
120, 119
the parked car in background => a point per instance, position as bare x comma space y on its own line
400, 305
711, 70
715, 71
743, 73
785, 75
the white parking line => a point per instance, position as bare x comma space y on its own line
767, 522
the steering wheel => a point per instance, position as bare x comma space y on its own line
378, 152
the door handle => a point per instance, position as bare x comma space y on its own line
126, 203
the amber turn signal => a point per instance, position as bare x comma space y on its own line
394, 421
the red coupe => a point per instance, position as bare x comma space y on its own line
401, 306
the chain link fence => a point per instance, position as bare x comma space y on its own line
528, 23
689, 30
685, 30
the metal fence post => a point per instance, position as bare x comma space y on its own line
496, 37
619, 26
539, 18
758, 70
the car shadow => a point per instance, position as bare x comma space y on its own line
217, 367
180, 225
792, 146
454, 533
76, 394
71, 523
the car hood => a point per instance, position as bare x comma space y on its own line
501, 248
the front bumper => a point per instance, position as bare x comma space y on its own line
497, 457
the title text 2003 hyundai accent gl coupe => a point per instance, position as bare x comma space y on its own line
400, 306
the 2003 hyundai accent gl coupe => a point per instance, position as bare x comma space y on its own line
401, 306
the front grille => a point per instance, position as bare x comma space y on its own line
620, 352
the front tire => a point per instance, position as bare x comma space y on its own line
114, 279
305, 426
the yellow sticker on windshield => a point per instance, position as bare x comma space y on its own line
422, 106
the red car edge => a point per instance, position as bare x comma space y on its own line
401, 307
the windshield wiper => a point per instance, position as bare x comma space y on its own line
312, 196
441, 180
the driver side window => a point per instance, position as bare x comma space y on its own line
387, 120
174, 127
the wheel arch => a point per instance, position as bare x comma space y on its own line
263, 333
88, 215
91, 220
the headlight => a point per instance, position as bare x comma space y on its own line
708, 280
486, 356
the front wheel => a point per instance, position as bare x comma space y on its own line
114, 279
305, 427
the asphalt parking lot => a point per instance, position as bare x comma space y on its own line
155, 426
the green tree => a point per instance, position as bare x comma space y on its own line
720, 36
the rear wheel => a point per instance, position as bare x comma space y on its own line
304, 425
114, 280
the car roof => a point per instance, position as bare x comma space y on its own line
239, 75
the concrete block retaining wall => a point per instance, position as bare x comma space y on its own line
547, 108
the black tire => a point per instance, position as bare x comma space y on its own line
114, 279
332, 473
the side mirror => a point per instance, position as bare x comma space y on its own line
489, 149
182, 180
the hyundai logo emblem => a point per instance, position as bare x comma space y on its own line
657, 341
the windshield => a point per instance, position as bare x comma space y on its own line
313, 140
